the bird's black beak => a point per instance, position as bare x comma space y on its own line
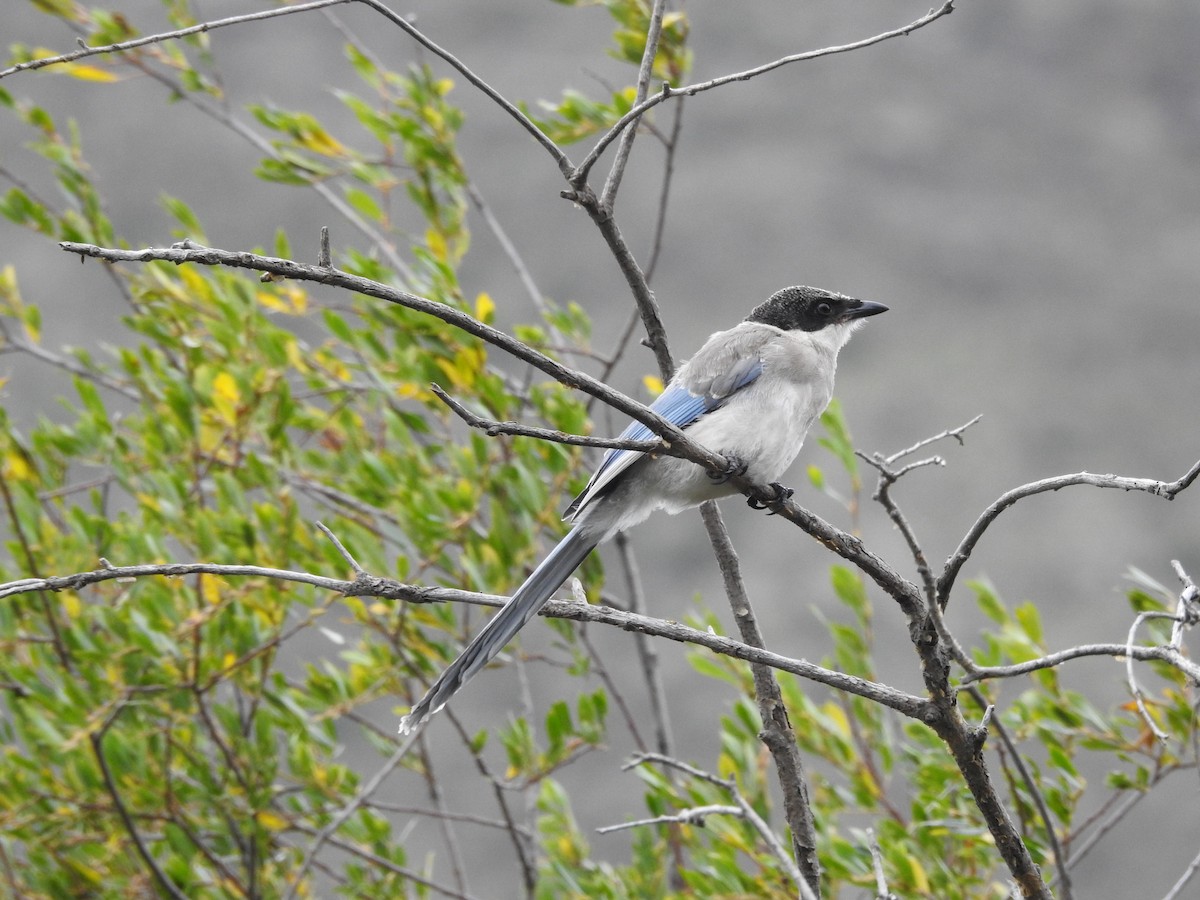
865, 308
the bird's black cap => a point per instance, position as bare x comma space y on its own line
811, 309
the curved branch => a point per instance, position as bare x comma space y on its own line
1168, 655
564, 164
579, 176
1164, 489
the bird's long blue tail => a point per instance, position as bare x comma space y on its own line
547, 578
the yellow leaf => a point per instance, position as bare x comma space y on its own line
295, 357
336, 368
272, 302
84, 871
88, 73
436, 242
213, 435
484, 307
226, 396
458, 378
270, 821
71, 605
837, 717
409, 390
288, 298
920, 879
298, 297
653, 384
320, 141
197, 286
16, 468
566, 848
8, 284
210, 589
869, 782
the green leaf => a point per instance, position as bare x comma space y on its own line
837, 438
988, 602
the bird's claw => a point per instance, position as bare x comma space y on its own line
775, 504
734, 466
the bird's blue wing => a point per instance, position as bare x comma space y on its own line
679, 404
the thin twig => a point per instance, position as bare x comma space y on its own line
1053, 660
647, 651
883, 496
358, 570
203, 27
664, 193
747, 811
692, 816
522, 838
618, 351
509, 249
1165, 489
955, 433
370, 787
596, 666
1131, 679
382, 863
881, 888
437, 796
638, 110
1187, 609
1031, 787
13, 342
31, 561
493, 428
645, 69
402, 810
96, 739
564, 164
1188, 873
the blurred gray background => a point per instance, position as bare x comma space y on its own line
1020, 182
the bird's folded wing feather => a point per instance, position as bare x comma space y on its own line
703, 385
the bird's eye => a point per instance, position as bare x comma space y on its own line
824, 309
